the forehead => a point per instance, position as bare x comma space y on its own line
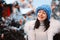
41, 11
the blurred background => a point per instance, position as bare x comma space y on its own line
15, 13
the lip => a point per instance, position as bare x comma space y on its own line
41, 17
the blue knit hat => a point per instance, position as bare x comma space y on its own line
46, 8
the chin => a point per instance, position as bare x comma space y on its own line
42, 19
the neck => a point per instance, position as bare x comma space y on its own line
41, 23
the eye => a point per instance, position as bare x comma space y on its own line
44, 12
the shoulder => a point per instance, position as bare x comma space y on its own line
54, 22
30, 22
29, 25
54, 25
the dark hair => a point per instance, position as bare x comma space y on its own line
46, 24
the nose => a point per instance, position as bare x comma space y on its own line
40, 14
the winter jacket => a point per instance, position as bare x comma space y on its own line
48, 35
53, 29
37, 34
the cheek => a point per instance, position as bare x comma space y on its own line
45, 17
38, 18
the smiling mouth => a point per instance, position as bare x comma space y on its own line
42, 17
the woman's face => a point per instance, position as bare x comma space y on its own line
42, 15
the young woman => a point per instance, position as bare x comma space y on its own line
36, 30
